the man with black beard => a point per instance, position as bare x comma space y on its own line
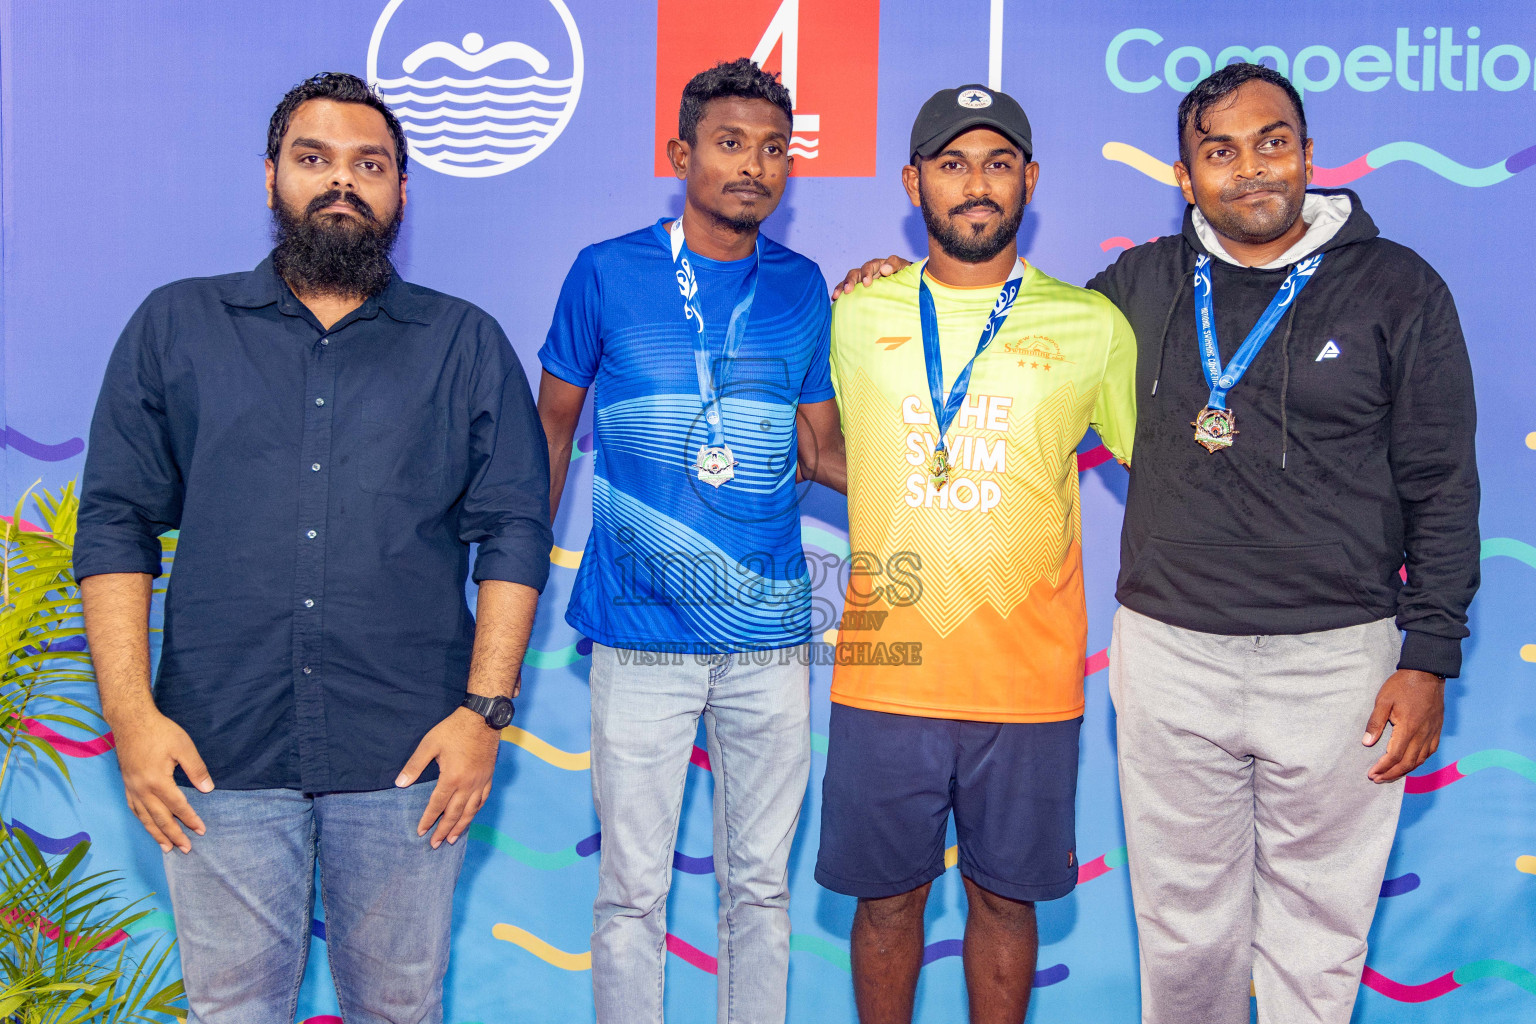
965, 383
329, 440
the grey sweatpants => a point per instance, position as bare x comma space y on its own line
1257, 845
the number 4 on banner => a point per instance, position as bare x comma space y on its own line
827, 56
784, 29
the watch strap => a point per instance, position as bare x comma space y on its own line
478, 704
497, 711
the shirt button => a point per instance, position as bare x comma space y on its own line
306, 670
311, 535
319, 401
309, 602
315, 467
325, 341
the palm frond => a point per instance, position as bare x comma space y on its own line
65, 953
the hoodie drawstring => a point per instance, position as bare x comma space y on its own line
1162, 344
1285, 382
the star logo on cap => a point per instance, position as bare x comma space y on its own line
975, 99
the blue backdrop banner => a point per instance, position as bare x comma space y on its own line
132, 136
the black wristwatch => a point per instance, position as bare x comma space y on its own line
497, 711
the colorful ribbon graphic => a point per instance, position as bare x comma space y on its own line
10, 915
69, 747
564, 557
1508, 547
542, 861
1460, 769
1466, 975
695, 957
13, 438
559, 658
1093, 457
548, 752
47, 844
1398, 886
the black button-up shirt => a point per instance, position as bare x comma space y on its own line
328, 485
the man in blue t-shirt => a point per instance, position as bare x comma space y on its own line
706, 343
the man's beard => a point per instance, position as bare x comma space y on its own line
969, 244
745, 222
332, 253
1258, 228
741, 225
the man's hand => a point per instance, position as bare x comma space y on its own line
148, 753
868, 273
464, 748
1414, 702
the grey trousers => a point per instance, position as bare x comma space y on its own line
757, 719
1257, 845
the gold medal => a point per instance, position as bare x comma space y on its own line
1214, 428
938, 467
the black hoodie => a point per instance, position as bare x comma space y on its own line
1354, 454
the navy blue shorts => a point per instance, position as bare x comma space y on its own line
892, 781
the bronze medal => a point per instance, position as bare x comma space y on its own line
1214, 428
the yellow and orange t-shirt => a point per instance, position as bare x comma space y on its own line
980, 582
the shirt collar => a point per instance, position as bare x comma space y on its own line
263, 287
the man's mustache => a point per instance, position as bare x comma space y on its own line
755, 187
979, 203
1237, 192
337, 195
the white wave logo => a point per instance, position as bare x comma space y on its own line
488, 116
805, 145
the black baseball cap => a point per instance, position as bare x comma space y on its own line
950, 112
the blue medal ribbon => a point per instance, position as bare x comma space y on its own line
945, 409
1222, 380
735, 331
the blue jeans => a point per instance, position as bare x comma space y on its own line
644, 718
244, 896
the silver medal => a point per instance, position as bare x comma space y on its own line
715, 464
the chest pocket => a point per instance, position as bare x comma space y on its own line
403, 451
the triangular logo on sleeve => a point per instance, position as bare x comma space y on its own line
1330, 351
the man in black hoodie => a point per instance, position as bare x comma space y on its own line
1278, 520
1268, 516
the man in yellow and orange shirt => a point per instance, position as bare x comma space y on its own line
965, 383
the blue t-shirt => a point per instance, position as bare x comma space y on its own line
671, 560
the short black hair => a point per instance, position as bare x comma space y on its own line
740, 77
338, 86
1220, 84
